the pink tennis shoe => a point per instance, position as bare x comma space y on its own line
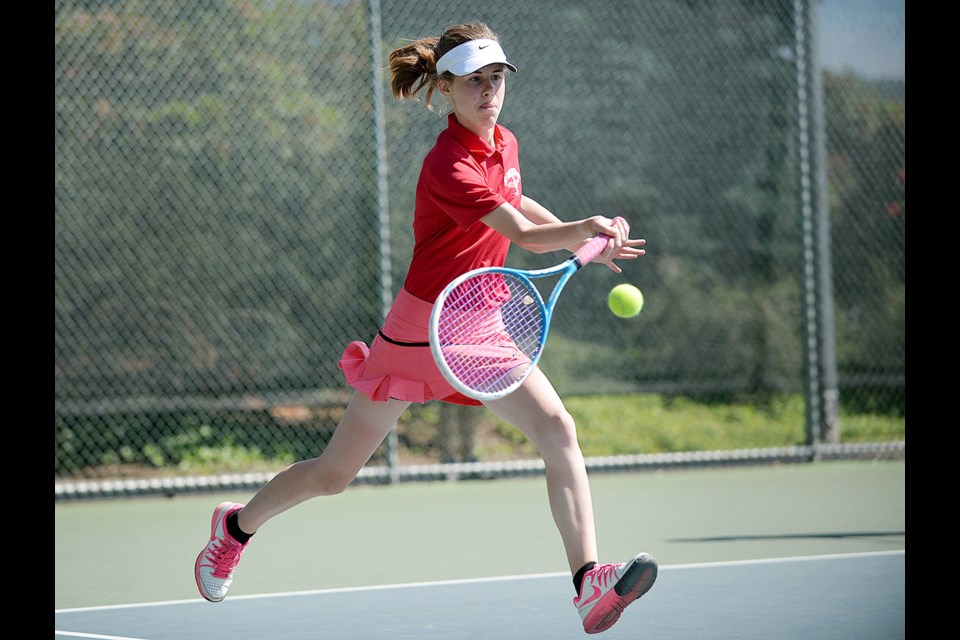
215, 564
607, 589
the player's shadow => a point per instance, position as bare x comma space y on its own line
793, 536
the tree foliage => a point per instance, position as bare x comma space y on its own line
216, 191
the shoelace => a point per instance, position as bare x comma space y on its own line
224, 558
603, 573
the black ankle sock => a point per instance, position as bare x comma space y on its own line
578, 576
233, 528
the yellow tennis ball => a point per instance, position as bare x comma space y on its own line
625, 300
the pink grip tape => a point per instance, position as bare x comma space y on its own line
593, 248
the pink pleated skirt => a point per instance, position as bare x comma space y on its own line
402, 367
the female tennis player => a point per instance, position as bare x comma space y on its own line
469, 208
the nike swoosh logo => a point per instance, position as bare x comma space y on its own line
593, 596
483, 46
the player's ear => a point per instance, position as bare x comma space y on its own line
443, 86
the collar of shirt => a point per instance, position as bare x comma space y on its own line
471, 141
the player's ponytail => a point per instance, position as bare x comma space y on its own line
413, 67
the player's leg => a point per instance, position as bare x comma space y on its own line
603, 590
537, 411
362, 428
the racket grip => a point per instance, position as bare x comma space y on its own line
592, 248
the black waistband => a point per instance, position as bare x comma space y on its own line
402, 344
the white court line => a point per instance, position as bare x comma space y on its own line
95, 636
408, 585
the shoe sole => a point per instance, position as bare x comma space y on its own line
636, 581
221, 509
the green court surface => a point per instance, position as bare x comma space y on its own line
128, 551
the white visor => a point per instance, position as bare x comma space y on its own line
466, 58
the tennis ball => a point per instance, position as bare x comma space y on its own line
625, 300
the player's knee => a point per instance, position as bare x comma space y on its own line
325, 480
566, 424
560, 432
327, 486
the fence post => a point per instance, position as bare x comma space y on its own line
383, 208
822, 396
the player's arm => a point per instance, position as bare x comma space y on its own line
536, 212
539, 214
549, 233
629, 250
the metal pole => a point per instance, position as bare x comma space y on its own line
383, 209
829, 391
819, 344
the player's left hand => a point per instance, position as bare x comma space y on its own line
621, 247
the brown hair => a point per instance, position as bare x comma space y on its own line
414, 66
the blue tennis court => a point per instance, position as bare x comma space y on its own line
817, 597
807, 551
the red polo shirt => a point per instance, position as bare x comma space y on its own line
462, 180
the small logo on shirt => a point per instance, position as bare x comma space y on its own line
511, 181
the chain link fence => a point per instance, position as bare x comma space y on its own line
234, 193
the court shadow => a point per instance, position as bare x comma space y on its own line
794, 536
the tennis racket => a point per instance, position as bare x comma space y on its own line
489, 326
